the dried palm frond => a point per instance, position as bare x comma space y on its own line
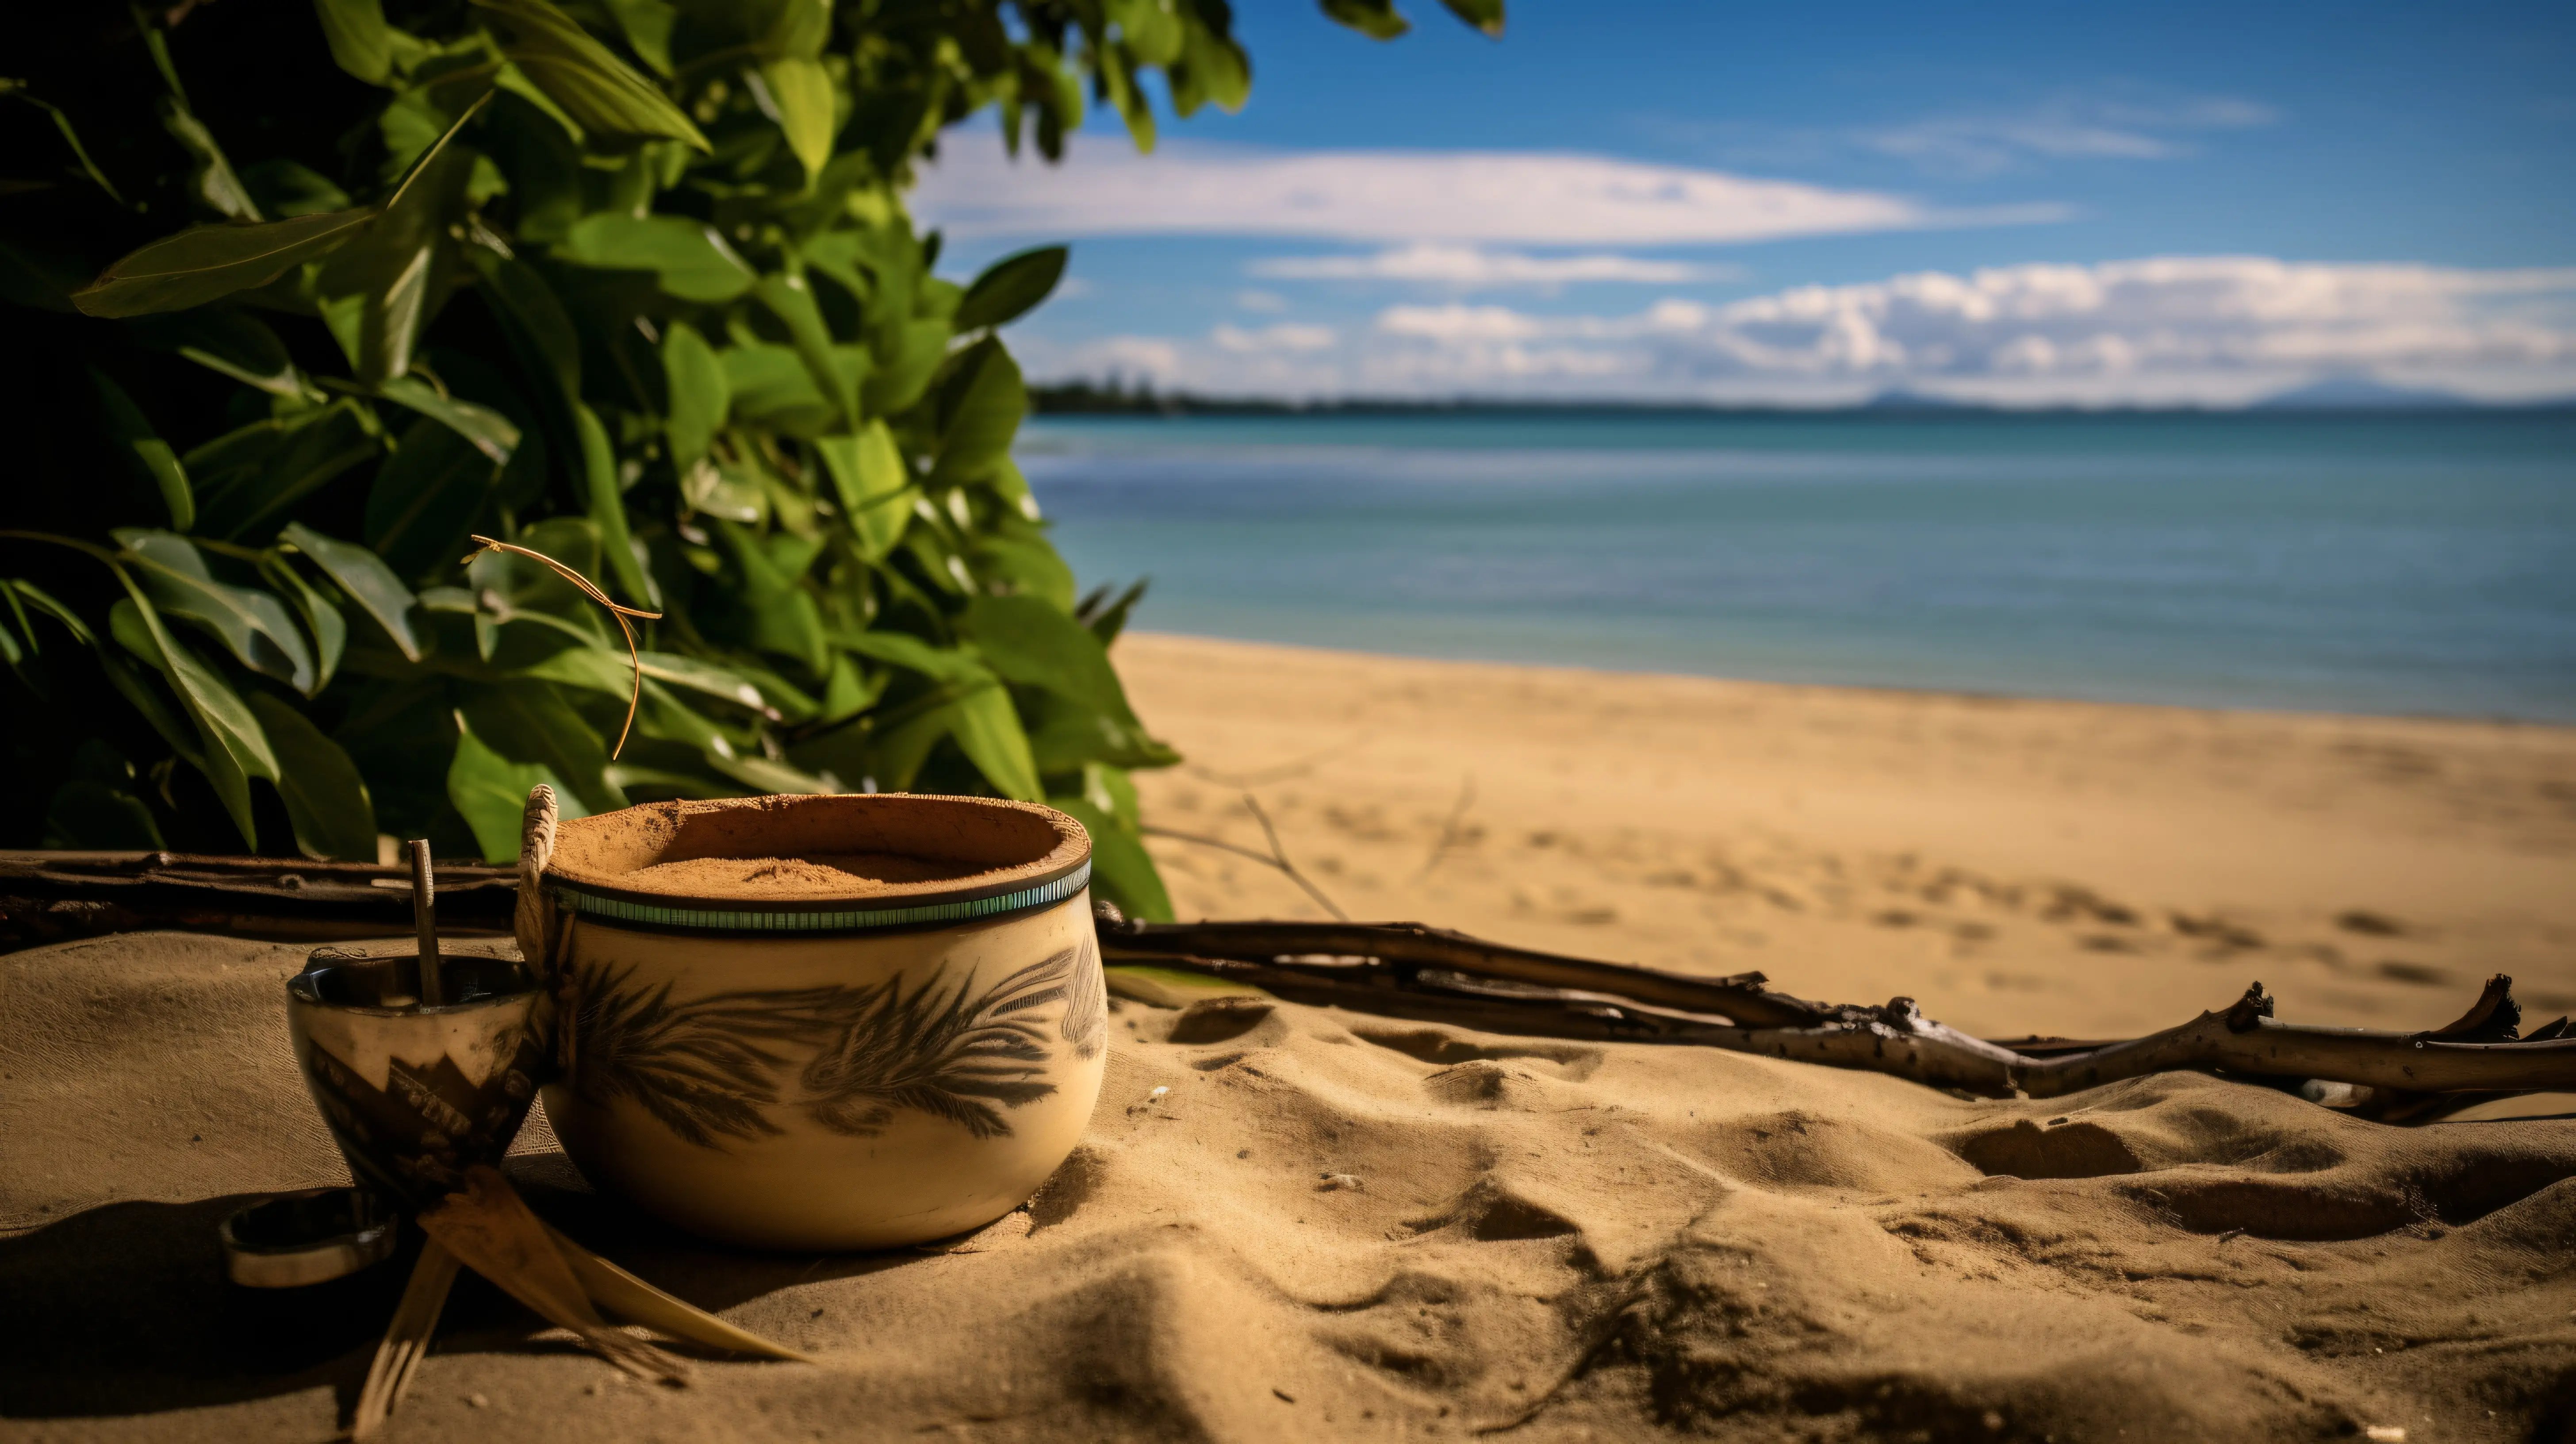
940, 1050
1086, 1006
707, 1068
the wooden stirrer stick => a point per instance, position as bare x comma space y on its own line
424, 921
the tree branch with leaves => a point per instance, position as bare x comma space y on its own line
627, 283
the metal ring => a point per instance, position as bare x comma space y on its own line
306, 1238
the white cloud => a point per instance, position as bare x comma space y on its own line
1284, 336
2094, 127
1475, 268
1153, 358
1459, 323
1464, 197
2107, 122
1268, 301
2208, 329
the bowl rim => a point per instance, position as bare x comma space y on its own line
1060, 873
303, 988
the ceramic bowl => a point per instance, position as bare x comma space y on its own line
844, 1067
415, 1096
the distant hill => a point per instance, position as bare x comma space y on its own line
1916, 401
2338, 393
2360, 393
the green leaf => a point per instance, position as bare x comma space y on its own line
362, 43
211, 179
326, 800
905, 650
231, 342
762, 775
699, 393
714, 489
152, 704
71, 137
986, 402
89, 814
1375, 19
530, 722
1017, 558
792, 301
1009, 288
799, 95
490, 792
647, 25
1030, 642
689, 260
988, 731
38, 280
99, 806
360, 40
904, 370
801, 30
874, 485
543, 165
539, 329
849, 691
290, 188
433, 491
776, 614
234, 748
771, 388
490, 432
365, 579
208, 263
330, 630
608, 511
507, 584
252, 624
1148, 30
1114, 792
246, 478
1121, 870
1107, 617
150, 457
382, 289
1212, 70
1118, 82
705, 678
1485, 15
578, 73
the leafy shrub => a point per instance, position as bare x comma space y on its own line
299, 304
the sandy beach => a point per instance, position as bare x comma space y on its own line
2015, 865
1298, 1222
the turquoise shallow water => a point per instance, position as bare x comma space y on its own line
2373, 563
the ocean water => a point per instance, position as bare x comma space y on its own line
2371, 562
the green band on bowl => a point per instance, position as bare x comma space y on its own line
821, 920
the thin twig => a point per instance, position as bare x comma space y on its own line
1277, 857
1281, 855
1263, 777
1449, 829
634, 655
1263, 858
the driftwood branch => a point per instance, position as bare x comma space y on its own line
1408, 970
1415, 971
55, 896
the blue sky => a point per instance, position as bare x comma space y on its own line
2093, 203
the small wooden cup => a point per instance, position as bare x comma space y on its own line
415, 1096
